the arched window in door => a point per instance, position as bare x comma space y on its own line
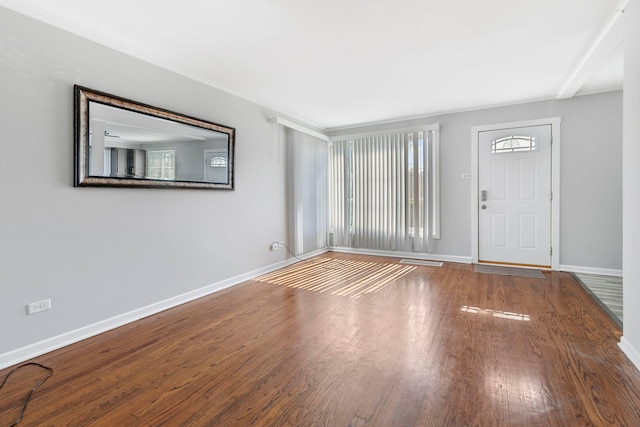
510, 144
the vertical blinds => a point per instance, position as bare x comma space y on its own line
383, 191
307, 189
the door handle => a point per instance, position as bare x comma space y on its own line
484, 206
483, 195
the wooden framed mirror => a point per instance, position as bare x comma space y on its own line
123, 143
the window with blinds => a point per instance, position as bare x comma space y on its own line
161, 164
384, 191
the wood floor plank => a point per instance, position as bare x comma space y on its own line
435, 346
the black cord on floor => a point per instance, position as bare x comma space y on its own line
28, 398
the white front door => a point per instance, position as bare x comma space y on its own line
216, 168
514, 200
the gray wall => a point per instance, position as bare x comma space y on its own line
591, 175
100, 252
631, 148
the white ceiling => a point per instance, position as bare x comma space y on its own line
129, 126
336, 63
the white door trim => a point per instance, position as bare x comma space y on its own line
555, 181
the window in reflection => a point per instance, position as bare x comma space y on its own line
161, 164
218, 162
496, 313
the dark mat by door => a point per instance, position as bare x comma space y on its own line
509, 271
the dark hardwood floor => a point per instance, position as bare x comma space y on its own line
439, 346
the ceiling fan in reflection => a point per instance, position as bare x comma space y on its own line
107, 134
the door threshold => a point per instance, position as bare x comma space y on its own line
512, 264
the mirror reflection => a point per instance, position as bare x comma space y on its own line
120, 142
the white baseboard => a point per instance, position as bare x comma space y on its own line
414, 255
631, 352
39, 348
591, 270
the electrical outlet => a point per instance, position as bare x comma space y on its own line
275, 246
466, 176
38, 306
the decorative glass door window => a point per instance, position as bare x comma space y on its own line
510, 144
218, 162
